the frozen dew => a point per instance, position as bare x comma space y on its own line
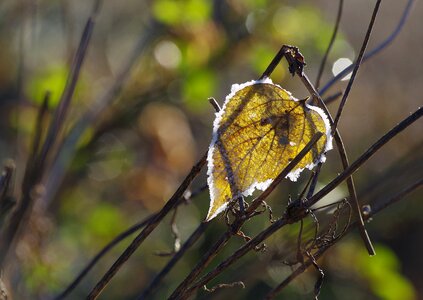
340, 65
167, 54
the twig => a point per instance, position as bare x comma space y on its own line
65, 153
328, 100
34, 169
123, 235
189, 242
148, 229
182, 292
356, 65
375, 50
302, 210
176, 238
365, 156
159, 277
7, 202
225, 285
99, 255
376, 209
66, 98
332, 40
38, 131
294, 58
214, 103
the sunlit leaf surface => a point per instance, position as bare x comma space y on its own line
259, 130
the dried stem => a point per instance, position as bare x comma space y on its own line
35, 168
99, 255
356, 65
169, 266
171, 204
332, 40
65, 154
375, 50
294, 58
298, 210
181, 292
376, 209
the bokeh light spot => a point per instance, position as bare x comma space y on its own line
167, 54
340, 65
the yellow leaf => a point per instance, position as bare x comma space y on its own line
259, 130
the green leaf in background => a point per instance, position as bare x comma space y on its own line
303, 26
105, 221
197, 88
384, 275
260, 57
52, 79
167, 11
182, 12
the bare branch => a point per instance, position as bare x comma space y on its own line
297, 211
225, 285
182, 291
332, 40
34, 169
375, 50
376, 209
356, 65
173, 201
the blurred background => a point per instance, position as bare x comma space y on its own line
142, 120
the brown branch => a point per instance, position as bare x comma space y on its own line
375, 50
225, 285
182, 292
173, 201
376, 209
35, 169
356, 65
332, 40
123, 235
298, 209
328, 100
187, 245
365, 156
292, 55
68, 147
134, 228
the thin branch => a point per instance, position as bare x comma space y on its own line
68, 147
173, 201
375, 50
120, 237
7, 202
332, 40
169, 266
291, 55
181, 292
38, 131
225, 285
66, 98
34, 169
187, 245
376, 209
356, 65
99, 255
292, 216
328, 100
365, 156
